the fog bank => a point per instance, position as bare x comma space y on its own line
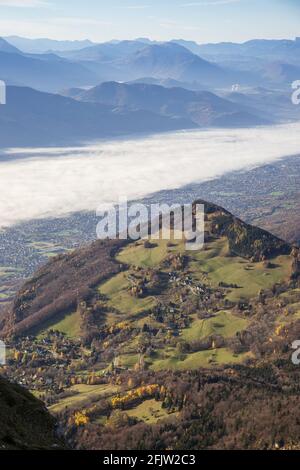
53, 182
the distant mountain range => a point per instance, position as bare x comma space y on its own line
46, 72
54, 65
203, 108
7, 47
273, 105
31, 117
128, 87
110, 109
174, 61
42, 45
278, 72
131, 60
126, 60
276, 62
108, 50
269, 50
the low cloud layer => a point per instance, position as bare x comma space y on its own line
52, 182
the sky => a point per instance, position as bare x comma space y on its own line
199, 20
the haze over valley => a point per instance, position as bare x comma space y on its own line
44, 182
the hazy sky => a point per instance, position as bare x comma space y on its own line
199, 20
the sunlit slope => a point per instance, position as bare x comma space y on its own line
156, 304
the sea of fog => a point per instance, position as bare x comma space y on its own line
43, 182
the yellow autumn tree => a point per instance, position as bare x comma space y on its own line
80, 418
145, 391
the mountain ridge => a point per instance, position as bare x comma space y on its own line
45, 75
32, 117
42, 45
203, 108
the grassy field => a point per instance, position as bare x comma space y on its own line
82, 395
148, 321
208, 358
68, 324
216, 262
4, 296
150, 411
116, 290
249, 277
224, 323
128, 360
138, 255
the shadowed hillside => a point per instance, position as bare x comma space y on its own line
31, 117
25, 422
245, 240
61, 284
